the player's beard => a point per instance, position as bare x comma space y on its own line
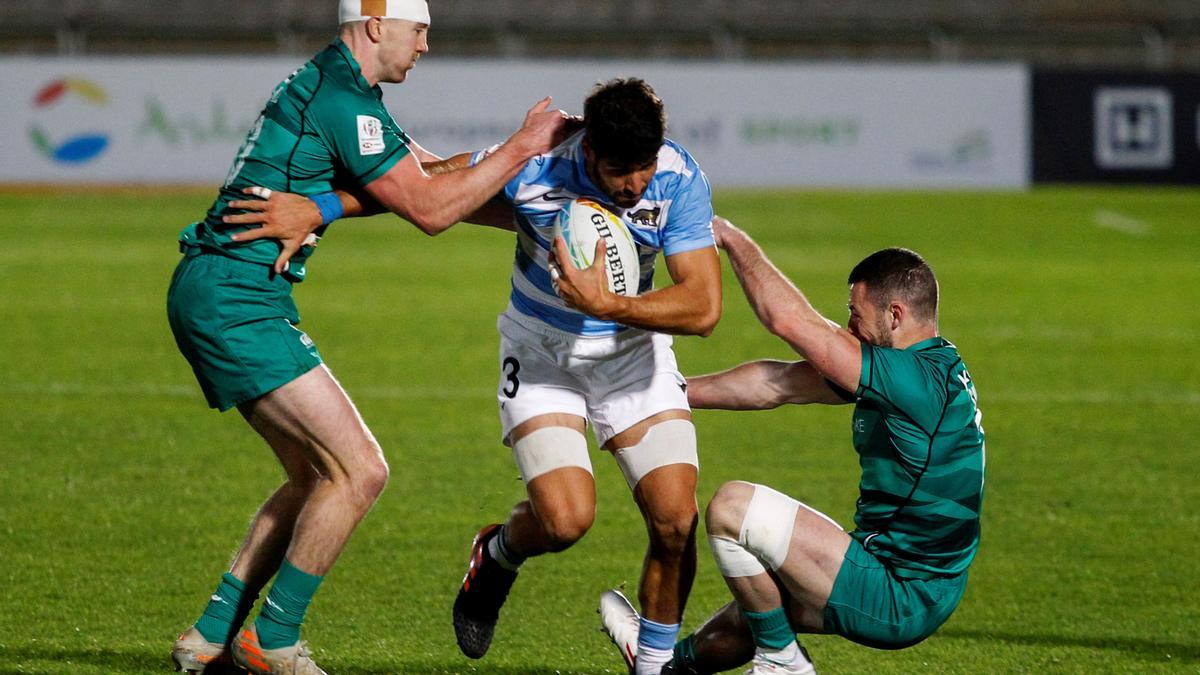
626, 201
883, 333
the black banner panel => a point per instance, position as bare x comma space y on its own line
1115, 127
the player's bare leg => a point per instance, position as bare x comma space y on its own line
815, 554
254, 564
666, 497
271, 533
314, 414
773, 604
668, 503
309, 422
562, 503
271, 530
560, 510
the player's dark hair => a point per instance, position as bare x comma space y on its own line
898, 273
624, 122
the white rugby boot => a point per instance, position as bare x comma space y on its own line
194, 654
293, 660
621, 622
764, 665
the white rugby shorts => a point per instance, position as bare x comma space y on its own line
613, 381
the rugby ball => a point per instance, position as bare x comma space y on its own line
581, 224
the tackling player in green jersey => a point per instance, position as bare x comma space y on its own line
233, 317
894, 579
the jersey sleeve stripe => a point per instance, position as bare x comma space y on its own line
689, 244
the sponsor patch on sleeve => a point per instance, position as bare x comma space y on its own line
370, 136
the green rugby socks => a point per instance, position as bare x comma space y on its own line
771, 630
773, 635
221, 617
685, 651
278, 624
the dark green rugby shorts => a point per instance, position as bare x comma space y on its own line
872, 606
235, 323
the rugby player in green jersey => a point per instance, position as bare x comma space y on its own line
233, 317
901, 572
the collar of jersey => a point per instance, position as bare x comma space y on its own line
935, 341
346, 57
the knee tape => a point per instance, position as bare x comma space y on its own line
768, 525
670, 442
550, 448
732, 559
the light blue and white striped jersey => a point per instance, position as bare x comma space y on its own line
674, 216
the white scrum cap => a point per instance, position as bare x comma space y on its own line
416, 11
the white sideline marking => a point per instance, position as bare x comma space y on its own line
1111, 220
1085, 396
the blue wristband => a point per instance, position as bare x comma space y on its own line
329, 205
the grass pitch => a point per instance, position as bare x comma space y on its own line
122, 496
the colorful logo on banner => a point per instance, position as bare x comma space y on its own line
79, 148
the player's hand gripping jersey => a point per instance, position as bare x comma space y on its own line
918, 435
674, 216
323, 125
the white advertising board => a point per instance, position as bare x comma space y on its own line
116, 120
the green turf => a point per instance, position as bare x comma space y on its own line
122, 496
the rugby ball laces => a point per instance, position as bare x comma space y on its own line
584, 222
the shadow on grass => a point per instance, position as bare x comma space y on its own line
1147, 649
51, 659
111, 660
442, 668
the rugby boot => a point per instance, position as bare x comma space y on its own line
293, 660
765, 666
673, 668
621, 622
484, 590
193, 654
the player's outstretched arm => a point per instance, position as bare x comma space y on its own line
433, 202
496, 212
436, 202
691, 306
290, 218
762, 385
834, 351
454, 163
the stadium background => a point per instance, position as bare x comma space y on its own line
830, 129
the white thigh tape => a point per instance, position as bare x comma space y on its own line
548, 449
670, 442
733, 560
768, 525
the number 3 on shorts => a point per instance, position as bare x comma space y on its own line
511, 367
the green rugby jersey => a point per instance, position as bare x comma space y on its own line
920, 444
323, 126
